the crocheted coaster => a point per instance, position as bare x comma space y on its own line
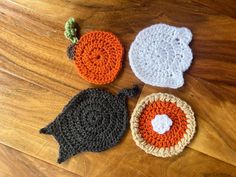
94, 120
162, 124
160, 54
97, 54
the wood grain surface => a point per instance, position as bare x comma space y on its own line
37, 80
14, 163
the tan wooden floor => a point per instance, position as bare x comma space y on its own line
37, 80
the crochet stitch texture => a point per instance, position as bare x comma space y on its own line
171, 142
94, 120
161, 123
160, 54
98, 56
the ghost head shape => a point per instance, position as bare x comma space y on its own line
94, 120
160, 54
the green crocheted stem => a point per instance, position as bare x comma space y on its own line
71, 30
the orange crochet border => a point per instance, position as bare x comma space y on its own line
170, 138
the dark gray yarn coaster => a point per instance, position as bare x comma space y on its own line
94, 120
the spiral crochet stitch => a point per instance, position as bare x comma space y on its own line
180, 128
160, 54
97, 54
94, 120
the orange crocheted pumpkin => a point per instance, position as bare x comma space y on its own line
98, 56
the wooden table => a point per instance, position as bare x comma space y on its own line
37, 80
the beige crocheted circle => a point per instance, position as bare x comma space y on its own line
163, 151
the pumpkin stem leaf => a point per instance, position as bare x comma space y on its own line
71, 30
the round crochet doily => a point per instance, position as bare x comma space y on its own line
162, 124
160, 54
94, 120
98, 56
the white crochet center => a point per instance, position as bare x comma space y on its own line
161, 123
160, 54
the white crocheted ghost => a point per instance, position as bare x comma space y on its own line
160, 54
